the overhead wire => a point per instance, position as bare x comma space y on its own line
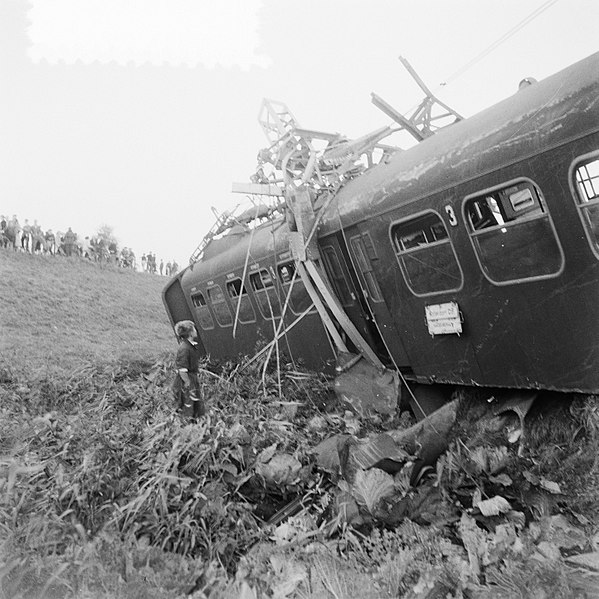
533, 15
525, 21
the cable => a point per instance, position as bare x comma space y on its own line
533, 15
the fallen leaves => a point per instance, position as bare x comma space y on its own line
371, 487
279, 469
542, 482
493, 506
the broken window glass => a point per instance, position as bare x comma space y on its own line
587, 188
512, 234
425, 254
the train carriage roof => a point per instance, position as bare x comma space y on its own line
540, 116
228, 253
536, 118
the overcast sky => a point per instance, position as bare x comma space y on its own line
140, 114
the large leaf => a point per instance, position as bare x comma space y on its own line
282, 469
501, 479
494, 506
327, 452
542, 482
550, 486
371, 486
370, 452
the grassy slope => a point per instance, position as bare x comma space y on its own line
58, 313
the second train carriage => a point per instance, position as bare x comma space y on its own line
469, 259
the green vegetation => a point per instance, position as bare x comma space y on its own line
107, 492
61, 313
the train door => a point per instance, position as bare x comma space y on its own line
350, 297
310, 341
423, 289
359, 251
520, 260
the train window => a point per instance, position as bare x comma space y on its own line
512, 234
420, 231
219, 306
202, 311
235, 288
240, 301
425, 254
265, 293
361, 256
286, 272
198, 300
587, 193
370, 249
261, 280
300, 300
504, 205
337, 277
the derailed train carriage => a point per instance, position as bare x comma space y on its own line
471, 258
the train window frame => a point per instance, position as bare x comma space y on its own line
217, 303
337, 275
286, 284
363, 266
264, 290
236, 288
369, 246
412, 250
202, 309
584, 203
285, 264
261, 280
528, 215
201, 297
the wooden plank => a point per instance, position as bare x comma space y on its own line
339, 313
264, 189
396, 116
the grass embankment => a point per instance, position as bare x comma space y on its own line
57, 313
106, 492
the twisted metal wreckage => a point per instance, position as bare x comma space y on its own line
450, 264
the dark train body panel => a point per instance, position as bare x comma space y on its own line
484, 219
212, 287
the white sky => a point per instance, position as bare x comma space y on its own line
141, 113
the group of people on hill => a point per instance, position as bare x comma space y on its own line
33, 239
148, 264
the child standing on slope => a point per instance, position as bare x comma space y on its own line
186, 386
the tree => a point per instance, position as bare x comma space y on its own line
106, 234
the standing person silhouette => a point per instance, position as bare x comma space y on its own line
186, 387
